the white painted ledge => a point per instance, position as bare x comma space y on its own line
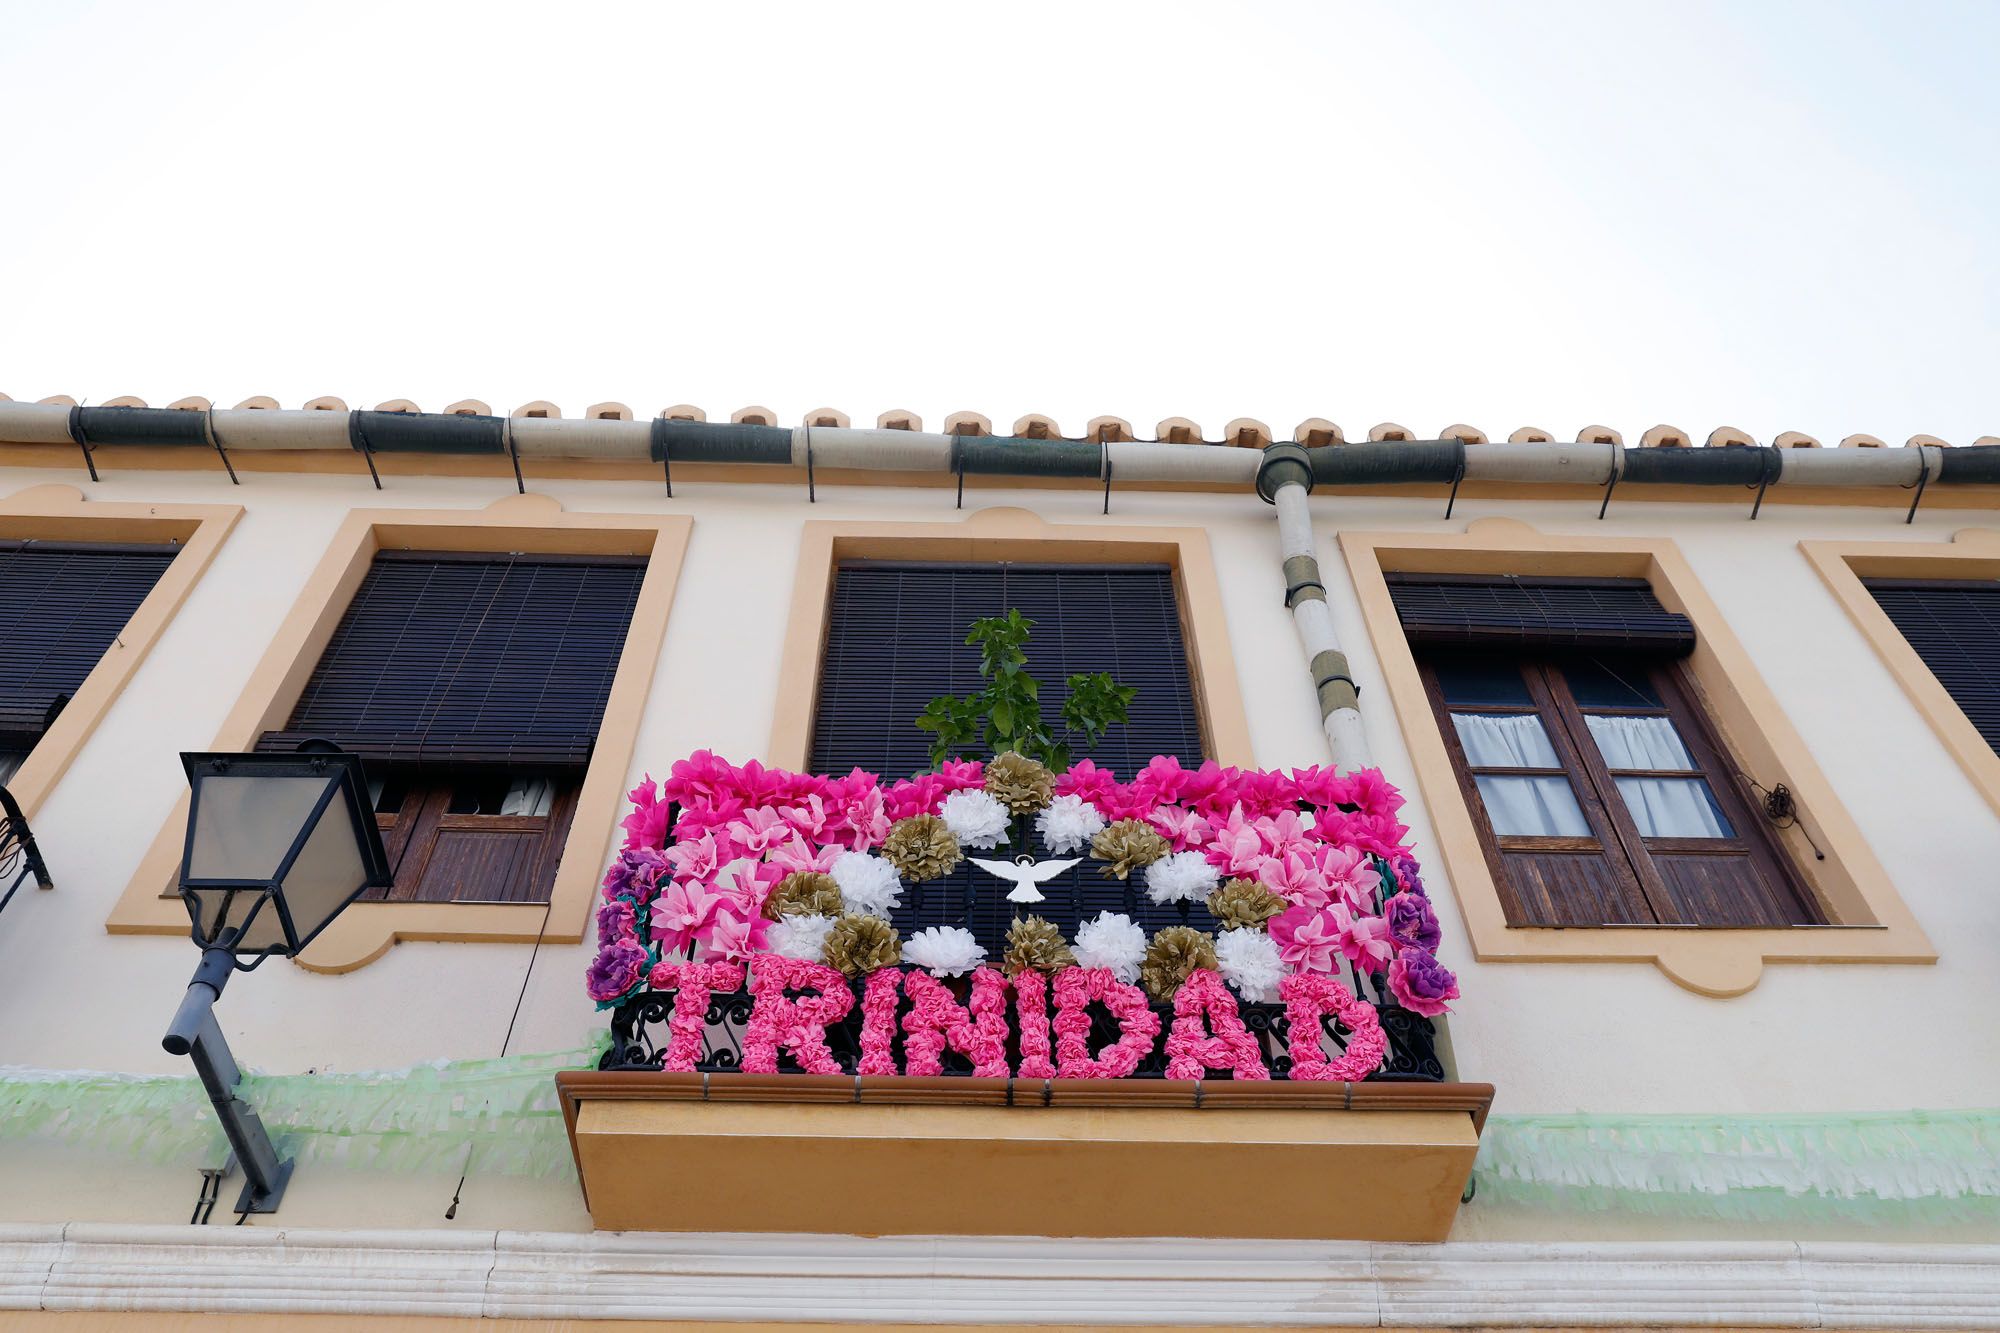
1027, 1280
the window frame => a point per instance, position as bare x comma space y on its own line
60, 513
1970, 554
1007, 533
1629, 853
524, 523
1867, 921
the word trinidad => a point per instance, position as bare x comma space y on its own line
772, 899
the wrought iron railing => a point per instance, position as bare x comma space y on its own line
20, 859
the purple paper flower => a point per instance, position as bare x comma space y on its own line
1413, 922
633, 874
616, 920
1406, 874
1421, 984
616, 971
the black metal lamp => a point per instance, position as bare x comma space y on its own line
277, 845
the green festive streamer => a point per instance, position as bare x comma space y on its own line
1910, 1166
419, 1119
1913, 1166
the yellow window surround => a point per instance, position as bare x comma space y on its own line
60, 513
1871, 922
1973, 553
1011, 534
529, 523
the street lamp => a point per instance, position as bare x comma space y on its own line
277, 845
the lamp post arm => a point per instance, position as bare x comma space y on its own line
195, 1033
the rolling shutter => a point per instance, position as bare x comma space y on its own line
451, 659
1955, 627
1604, 614
61, 606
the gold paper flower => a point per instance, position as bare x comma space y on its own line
806, 893
1127, 845
1019, 783
859, 944
920, 848
1244, 903
1172, 957
1035, 945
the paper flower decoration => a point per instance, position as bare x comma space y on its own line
867, 883
1020, 783
976, 819
1184, 877
1126, 846
1175, 954
921, 847
944, 951
800, 937
859, 943
1068, 825
1248, 960
1035, 945
1111, 940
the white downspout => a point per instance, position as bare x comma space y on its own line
1285, 479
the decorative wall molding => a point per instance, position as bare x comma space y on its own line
604, 1275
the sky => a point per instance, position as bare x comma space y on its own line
1773, 216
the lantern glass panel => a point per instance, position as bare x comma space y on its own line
245, 824
329, 872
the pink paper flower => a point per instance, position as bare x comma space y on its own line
759, 831
1183, 829
799, 856
737, 938
1364, 939
1295, 877
920, 795
961, 774
1308, 938
683, 914
1087, 780
1236, 847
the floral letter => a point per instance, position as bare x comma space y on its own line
936, 1020
1191, 1052
1308, 998
777, 1021
1138, 1025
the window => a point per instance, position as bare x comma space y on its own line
62, 604
1954, 626
1599, 792
472, 686
895, 639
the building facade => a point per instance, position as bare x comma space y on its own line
1693, 752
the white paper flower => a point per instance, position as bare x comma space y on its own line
800, 937
867, 883
1248, 960
976, 819
1113, 940
944, 951
1068, 824
1182, 877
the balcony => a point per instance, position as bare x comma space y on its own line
907, 1085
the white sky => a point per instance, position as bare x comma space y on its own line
1773, 216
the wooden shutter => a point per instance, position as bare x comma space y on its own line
1605, 614
446, 659
1954, 624
61, 606
896, 640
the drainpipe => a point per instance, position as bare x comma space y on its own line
1284, 479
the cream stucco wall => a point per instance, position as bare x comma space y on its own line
1606, 1037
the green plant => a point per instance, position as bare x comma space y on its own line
1007, 714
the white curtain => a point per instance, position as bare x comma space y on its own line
528, 796
1529, 807
1661, 807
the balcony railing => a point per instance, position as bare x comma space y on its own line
20, 859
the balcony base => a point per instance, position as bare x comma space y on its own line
1069, 1157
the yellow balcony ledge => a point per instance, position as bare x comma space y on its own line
1022, 1157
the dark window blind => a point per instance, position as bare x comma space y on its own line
1605, 614
896, 640
1955, 627
61, 607
448, 659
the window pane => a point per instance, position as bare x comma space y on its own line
1638, 742
1480, 680
528, 796
1673, 808
1532, 807
1505, 740
1609, 682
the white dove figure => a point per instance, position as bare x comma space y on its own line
1026, 873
